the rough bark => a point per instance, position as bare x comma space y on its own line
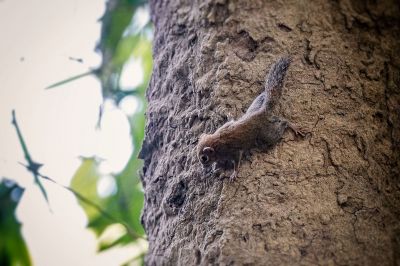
330, 199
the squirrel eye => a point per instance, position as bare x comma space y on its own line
204, 158
208, 150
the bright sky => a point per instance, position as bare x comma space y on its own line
38, 38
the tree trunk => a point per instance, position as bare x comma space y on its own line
331, 198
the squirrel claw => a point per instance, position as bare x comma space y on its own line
233, 176
300, 133
297, 131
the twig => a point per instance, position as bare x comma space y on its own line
88, 73
130, 231
34, 167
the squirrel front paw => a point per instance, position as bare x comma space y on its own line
233, 176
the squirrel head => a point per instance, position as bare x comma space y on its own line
205, 150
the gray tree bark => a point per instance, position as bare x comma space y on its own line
332, 198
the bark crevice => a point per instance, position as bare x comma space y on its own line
332, 198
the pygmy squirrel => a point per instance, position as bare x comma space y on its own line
256, 128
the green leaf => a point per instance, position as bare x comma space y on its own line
85, 182
125, 205
13, 250
143, 50
124, 49
137, 260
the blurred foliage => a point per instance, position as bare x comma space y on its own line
122, 40
119, 39
114, 218
13, 251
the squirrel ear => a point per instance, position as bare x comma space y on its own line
208, 150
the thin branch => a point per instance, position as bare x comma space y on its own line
57, 84
34, 167
130, 231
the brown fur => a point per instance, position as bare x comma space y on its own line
256, 128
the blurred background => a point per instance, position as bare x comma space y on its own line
75, 73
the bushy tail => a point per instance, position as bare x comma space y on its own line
274, 81
273, 87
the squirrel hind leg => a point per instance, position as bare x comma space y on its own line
277, 126
275, 130
280, 127
271, 133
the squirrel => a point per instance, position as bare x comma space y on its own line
256, 128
